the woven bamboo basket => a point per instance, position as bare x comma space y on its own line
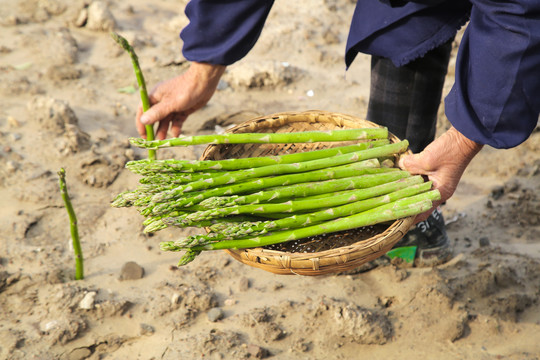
331, 253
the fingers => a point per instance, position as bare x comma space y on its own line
156, 113
162, 129
173, 100
402, 164
140, 127
423, 216
176, 125
174, 121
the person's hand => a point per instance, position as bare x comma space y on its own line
173, 100
443, 162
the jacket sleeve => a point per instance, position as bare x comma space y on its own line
495, 98
222, 32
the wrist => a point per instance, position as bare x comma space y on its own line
466, 148
207, 72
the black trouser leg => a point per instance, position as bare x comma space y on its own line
406, 99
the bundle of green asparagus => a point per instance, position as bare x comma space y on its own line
260, 201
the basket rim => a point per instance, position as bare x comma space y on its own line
335, 260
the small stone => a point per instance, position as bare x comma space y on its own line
175, 298
88, 301
15, 137
130, 154
11, 20
256, 351
222, 85
147, 329
63, 72
243, 284
131, 271
99, 17
12, 122
277, 286
47, 326
11, 166
497, 192
79, 354
511, 186
229, 302
81, 19
483, 241
214, 314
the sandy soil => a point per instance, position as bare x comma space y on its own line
67, 101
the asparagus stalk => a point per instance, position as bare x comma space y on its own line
202, 239
141, 196
173, 166
267, 138
304, 189
402, 208
280, 169
162, 205
392, 211
240, 230
156, 223
175, 178
142, 86
291, 206
74, 229
188, 257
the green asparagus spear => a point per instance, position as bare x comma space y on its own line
393, 211
303, 190
281, 169
402, 208
176, 178
267, 138
240, 230
156, 223
291, 206
174, 166
142, 86
179, 200
73, 225
222, 231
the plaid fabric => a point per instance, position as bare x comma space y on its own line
406, 99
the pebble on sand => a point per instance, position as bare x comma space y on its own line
87, 302
131, 271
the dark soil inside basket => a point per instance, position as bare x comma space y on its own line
329, 241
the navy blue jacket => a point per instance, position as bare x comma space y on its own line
496, 96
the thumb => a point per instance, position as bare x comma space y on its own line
155, 114
405, 161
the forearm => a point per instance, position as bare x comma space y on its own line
206, 75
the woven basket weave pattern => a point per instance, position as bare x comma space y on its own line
318, 263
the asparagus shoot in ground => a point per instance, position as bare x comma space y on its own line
74, 229
142, 86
